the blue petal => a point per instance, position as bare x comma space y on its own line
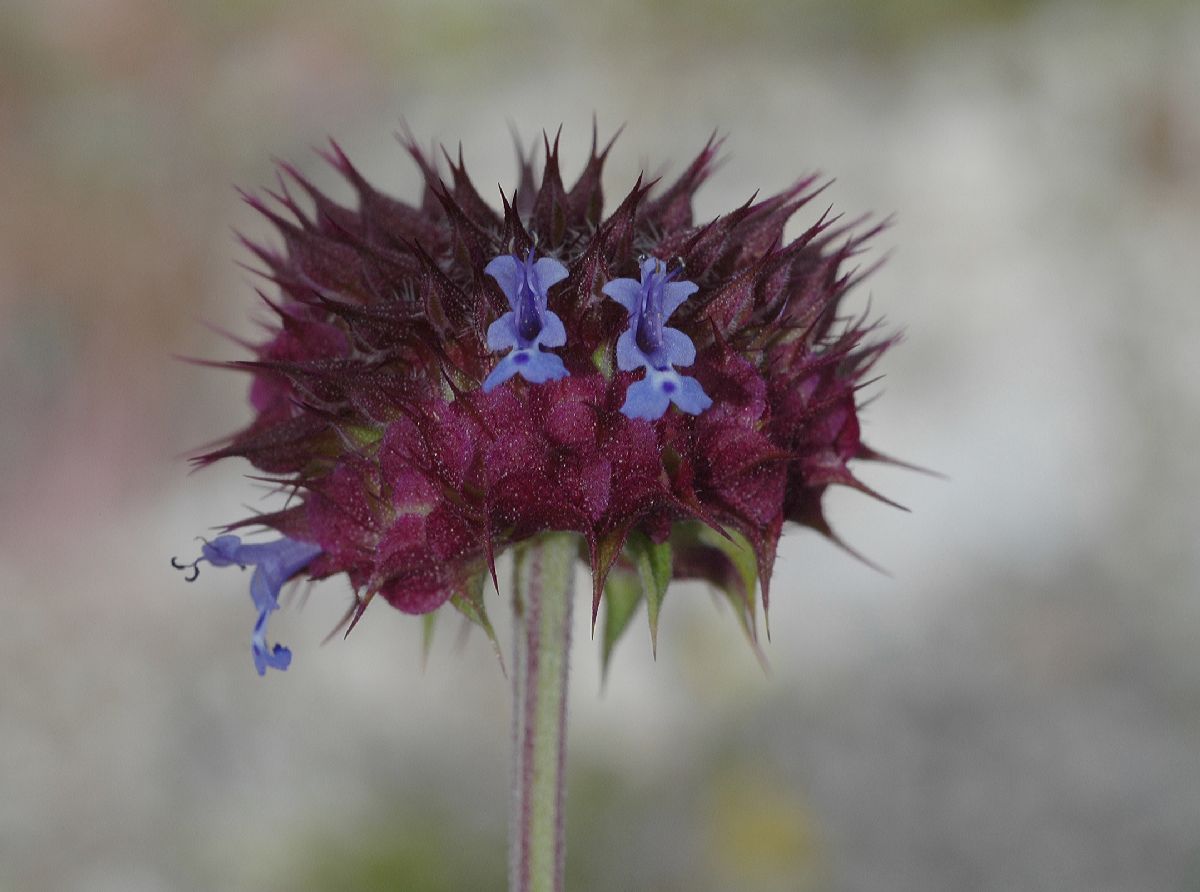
547, 273
690, 397
277, 562
264, 587
677, 349
508, 272
629, 355
553, 334
542, 367
277, 657
626, 292
290, 556
223, 551
502, 334
505, 369
650, 397
274, 564
675, 293
644, 400
531, 364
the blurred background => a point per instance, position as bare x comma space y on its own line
1016, 707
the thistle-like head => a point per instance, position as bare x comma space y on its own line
445, 380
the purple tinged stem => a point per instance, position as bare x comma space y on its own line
543, 575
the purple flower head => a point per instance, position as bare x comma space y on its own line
529, 325
649, 343
378, 407
274, 564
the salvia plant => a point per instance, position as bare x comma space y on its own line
449, 380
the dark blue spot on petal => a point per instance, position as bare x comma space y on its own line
668, 387
520, 357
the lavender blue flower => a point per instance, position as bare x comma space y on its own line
274, 564
649, 343
528, 325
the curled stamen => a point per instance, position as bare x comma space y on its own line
194, 566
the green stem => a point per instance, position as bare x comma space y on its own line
543, 572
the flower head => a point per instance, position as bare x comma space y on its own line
379, 405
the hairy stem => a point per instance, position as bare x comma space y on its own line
543, 571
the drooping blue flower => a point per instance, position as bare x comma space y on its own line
528, 326
648, 342
274, 564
